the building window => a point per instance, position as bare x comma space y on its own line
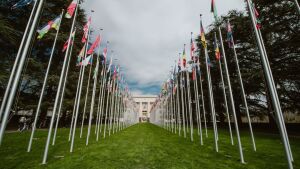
145, 105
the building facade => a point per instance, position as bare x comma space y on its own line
143, 105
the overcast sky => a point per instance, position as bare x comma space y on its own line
147, 35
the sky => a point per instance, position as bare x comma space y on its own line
146, 36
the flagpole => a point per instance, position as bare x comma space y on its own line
58, 93
99, 108
211, 98
198, 104
202, 98
106, 107
102, 101
224, 92
93, 100
79, 94
178, 106
189, 102
225, 101
243, 93
272, 90
15, 81
231, 97
13, 71
112, 104
44, 86
63, 93
183, 109
86, 98
75, 102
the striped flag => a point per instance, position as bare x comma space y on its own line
94, 45
86, 30
202, 34
214, 9
51, 24
217, 50
71, 9
68, 41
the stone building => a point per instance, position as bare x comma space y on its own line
143, 106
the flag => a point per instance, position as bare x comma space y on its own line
81, 54
105, 54
184, 58
229, 35
67, 42
94, 45
86, 30
51, 24
109, 66
179, 64
71, 9
115, 72
202, 34
21, 3
214, 9
193, 48
217, 50
86, 61
258, 22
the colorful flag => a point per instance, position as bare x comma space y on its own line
94, 45
86, 61
105, 54
258, 22
202, 34
184, 58
67, 42
86, 30
217, 50
51, 24
71, 9
21, 3
193, 48
81, 54
214, 9
229, 35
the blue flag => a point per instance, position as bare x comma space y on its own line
21, 3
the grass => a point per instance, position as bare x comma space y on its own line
145, 146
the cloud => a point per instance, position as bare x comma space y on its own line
147, 36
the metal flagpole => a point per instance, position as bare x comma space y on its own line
102, 101
202, 98
99, 110
178, 106
63, 92
106, 107
58, 92
272, 89
16, 79
183, 109
13, 71
75, 102
198, 104
93, 99
224, 94
112, 104
189, 103
231, 98
212, 106
86, 99
243, 93
79, 94
44, 86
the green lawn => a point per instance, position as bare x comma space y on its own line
144, 146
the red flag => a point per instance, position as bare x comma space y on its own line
95, 44
71, 9
67, 42
86, 30
105, 54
